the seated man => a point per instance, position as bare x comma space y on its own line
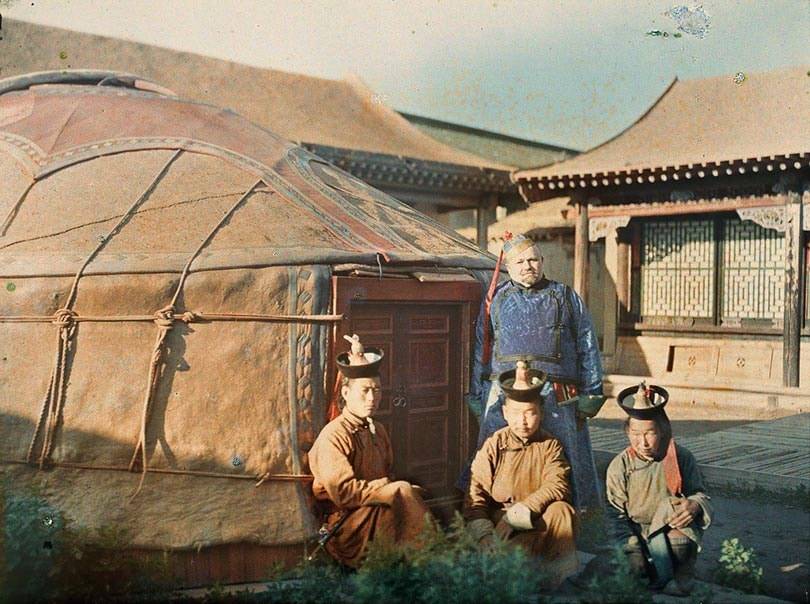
519, 487
351, 462
658, 506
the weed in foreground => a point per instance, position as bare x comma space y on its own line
619, 586
446, 567
738, 567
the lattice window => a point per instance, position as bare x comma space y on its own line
678, 269
753, 269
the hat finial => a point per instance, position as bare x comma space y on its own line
521, 376
643, 401
356, 356
522, 383
359, 361
641, 397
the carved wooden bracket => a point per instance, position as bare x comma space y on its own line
604, 225
768, 217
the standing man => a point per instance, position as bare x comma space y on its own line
519, 486
351, 462
545, 323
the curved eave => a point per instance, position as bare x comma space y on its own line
544, 187
380, 169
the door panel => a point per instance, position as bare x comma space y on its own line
424, 330
420, 385
428, 362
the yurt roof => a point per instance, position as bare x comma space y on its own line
81, 152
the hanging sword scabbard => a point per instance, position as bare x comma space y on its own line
649, 563
325, 534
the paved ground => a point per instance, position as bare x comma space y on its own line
773, 455
754, 495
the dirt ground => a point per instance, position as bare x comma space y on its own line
776, 526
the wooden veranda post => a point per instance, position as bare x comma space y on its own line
616, 274
485, 216
581, 251
794, 288
611, 293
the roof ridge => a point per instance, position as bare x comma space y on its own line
366, 93
457, 126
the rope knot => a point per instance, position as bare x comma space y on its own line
189, 317
164, 318
64, 318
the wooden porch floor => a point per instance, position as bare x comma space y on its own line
772, 454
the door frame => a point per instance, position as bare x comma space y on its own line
467, 294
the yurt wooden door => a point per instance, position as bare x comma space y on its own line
425, 331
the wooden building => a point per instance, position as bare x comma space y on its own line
701, 207
342, 121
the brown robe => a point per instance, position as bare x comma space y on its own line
352, 469
507, 470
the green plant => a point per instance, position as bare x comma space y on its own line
619, 585
46, 556
311, 582
446, 567
738, 567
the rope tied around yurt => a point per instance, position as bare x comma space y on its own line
65, 320
51, 411
164, 321
12, 213
198, 317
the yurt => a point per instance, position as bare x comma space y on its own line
174, 283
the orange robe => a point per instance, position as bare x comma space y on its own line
352, 469
507, 470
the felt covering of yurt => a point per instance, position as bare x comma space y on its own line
165, 269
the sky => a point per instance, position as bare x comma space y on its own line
572, 73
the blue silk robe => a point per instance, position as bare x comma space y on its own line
548, 326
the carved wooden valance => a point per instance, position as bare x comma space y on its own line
603, 226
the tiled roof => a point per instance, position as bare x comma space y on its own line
703, 122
